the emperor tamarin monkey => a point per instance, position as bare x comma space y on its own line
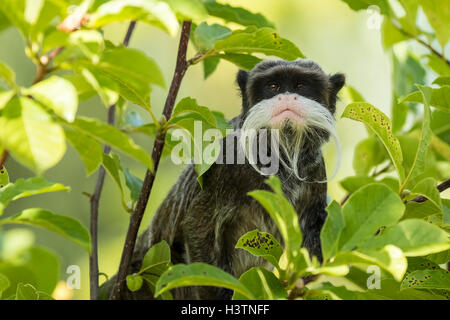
204, 224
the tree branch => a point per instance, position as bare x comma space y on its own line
95, 198
137, 215
425, 44
3, 158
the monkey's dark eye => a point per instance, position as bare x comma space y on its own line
273, 86
299, 85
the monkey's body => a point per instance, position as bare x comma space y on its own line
204, 224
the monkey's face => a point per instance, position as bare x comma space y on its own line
296, 97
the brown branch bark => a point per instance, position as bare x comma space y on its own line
137, 215
3, 158
95, 198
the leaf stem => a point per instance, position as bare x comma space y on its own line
95, 198
136, 217
425, 44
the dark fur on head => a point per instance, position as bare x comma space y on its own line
204, 224
317, 85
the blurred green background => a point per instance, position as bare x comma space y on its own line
326, 31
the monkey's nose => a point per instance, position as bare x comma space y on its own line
287, 97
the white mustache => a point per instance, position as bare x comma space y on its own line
313, 116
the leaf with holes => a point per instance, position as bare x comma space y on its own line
427, 279
380, 124
261, 244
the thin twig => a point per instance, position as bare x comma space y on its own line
3, 158
137, 215
425, 44
95, 198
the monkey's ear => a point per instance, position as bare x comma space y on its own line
337, 81
242, 78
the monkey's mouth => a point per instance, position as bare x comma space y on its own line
287, 114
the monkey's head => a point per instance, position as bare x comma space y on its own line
296, 97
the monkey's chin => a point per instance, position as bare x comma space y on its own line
287, 120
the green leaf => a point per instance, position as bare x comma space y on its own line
446, 212
351, 184
390, 290
427, 188
30, 135
236, 14
440, 97
14, 11
331, 231
153, 12
262, 284
4, 283
419, 164
438, 14
415, 237
357, 5
157, 259
89, 149
438, 65
420, 209
5, 96
189, 105
134, 184
263, 40
367, 210
133, 71
8, 75
261, 244
27, 187
188, 10
407, 72
427, 279
243, 61
66, 227
380, 124
391, 34
134, 282
4, 177
111, 163
57, 94
389, 257
442, 81
107, 89
151, 281
113, 137
283, 214
205, 36
199, 274
43, 264
209, 66
26, 292
368, 154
